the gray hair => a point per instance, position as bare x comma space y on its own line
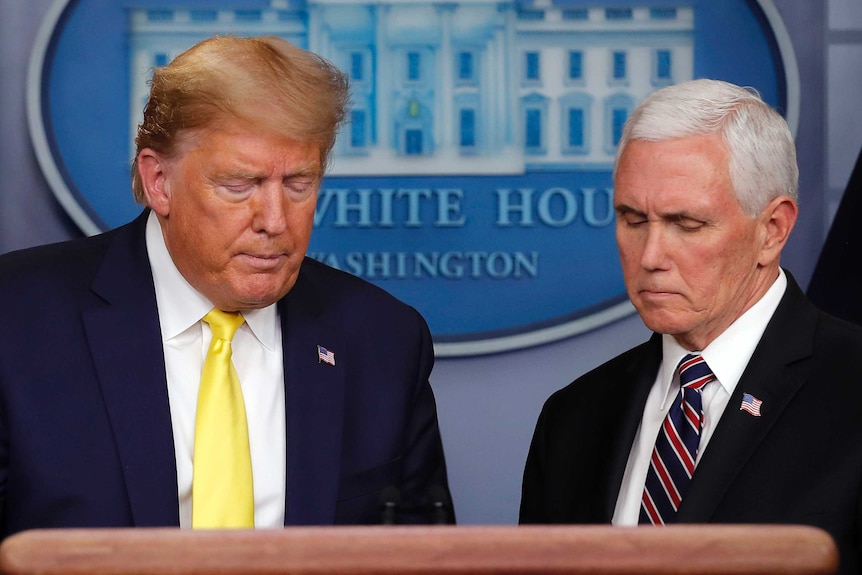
762, 152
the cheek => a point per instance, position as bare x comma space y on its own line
627, 244
740, 253
712, 271
209, 236
630, 265
197, 248
630, 245
301, 222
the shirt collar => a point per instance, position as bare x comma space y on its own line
728, 354
181, 306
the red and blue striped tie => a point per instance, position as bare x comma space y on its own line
675, 453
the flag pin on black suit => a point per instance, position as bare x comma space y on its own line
325, 356
750, 404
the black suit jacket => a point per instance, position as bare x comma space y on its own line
85, 429
799, 463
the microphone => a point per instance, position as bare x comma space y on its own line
390, 497
440, 504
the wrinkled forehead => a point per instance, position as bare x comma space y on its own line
227, 124
689, 169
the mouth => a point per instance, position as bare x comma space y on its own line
263, 261
656, 294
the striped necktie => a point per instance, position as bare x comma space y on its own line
222, 487
675, 453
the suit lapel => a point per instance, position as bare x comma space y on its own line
125, 341
769, 377
314, 396
642, 374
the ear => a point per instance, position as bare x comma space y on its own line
152, 169
777, 219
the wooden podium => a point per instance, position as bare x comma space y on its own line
527, 550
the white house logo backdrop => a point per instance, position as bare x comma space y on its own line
473, 179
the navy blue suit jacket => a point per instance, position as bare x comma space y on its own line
800, 462
85, 430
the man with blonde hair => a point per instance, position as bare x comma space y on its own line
746, 404
193, 368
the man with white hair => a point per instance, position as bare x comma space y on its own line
745, 406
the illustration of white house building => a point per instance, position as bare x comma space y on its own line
460, 87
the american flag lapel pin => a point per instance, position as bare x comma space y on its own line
750, 404
325, 356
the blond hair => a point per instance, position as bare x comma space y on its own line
264, 82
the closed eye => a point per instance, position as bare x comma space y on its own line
301, 187
236, 185
238, 188
632, 218
689, 224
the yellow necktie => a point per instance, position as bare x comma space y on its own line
222, 488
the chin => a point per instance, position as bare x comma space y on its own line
262, 290
665, 325
245, 300
259, 301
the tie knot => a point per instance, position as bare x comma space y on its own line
693, 372
224, 323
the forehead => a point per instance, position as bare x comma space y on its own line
674, 174
235, 145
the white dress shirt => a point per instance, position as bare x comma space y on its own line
727, 356
258, 358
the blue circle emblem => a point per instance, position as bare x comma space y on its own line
473, 179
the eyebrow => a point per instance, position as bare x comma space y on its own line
308, 171
242, 174
237, 175
624, 209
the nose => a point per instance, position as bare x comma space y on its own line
654, 253
269, 209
